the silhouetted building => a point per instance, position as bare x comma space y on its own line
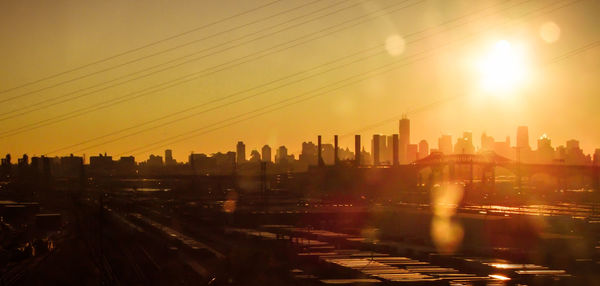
23, 161
412, 151
574, 154
241, 152
544, 152
423, 149
224, 162
266, 153
155, 161
169, 161
201, 163
445, 144
523, 137
101, 164
23, 166
308, 154
523, 151
487, 143
560, 154
6, 166
365, 157
395, 158
345, 154
503, 148
126, 165
328, 151
71, 166
281, 156
464, 145
404, 139
254, 156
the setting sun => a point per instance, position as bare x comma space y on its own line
503, 68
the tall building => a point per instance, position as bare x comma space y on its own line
574, 154
281, 155
254, 156
404, 139
523, 137
503, 148
169, 161
423, 149
464, 145
487, 143
395, 149
266, 153
523, 151
241, 152
411, 152
544, 152
445, 144
308, 154
154, 161
71, 166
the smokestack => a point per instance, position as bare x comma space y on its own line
335, 149
319, 157
357, 150
376, 144
395, 149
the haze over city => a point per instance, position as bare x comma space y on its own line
314, 142
44, 39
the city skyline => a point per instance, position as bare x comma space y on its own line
547, 32
300, 142
508, 146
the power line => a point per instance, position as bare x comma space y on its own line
121, 99
387, 68
53, 102
142, 47
201, 132
237, 93
427, 106
161, 52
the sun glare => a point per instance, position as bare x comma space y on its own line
503, 69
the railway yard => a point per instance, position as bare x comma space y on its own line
125, 237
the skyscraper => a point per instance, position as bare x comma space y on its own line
169, 157
281, 155
241, 152
266, 153
545, 152
254, 156
404, 139
464, 145
411, 152
445, 144
487, 143
423, 149
522, 137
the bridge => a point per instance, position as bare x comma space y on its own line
485, 167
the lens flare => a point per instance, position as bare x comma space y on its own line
550, 32
395, 45
446, 233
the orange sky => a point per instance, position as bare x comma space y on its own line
40, 38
